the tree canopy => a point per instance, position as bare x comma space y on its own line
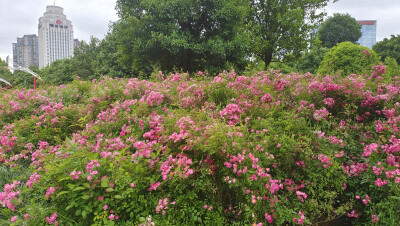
181, 34
339, 28
389, 48
279, 27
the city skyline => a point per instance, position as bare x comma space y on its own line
92, 17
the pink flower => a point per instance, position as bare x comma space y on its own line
253, 199
105, 207
26, 216
269, 218
52, 219
232, 113
379, 182
75, 175
132, 185
301, 195
154, 186
353, 214
13, 219
329, 101
111, 217
374, 218
321, 114
50, 191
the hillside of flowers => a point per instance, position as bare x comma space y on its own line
260, 149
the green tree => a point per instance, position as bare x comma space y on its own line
189, 35
107, 58
59, 72
339, 28
279, 27
310, 61
389, 48
83, 59
348, 58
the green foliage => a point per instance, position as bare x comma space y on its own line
279, 28
347, 58
339, 28
181, 34
392, 67
310, 61
388, 48
59, 72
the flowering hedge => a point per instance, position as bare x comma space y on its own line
267, 148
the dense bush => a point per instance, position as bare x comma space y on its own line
230, 150
347, 58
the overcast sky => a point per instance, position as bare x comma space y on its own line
92, 17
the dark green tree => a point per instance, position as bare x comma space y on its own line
339, 28
279, 27
388, 48
310, 61
187, 35
83, 59
106, 61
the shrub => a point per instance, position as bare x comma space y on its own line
228, 150
347, 58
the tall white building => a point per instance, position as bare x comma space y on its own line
56, 36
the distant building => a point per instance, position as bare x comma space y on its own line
56, 36
26, 51
368, 33
77, 43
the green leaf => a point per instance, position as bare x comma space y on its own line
394, 197
64, 178
69, 207
118, 197
104, 184
62, 193
86, 185
85, 197
78, 189
110, 189
71, 186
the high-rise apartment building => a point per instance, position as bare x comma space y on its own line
368, 33
56, 36
26, 51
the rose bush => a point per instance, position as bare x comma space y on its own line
267, 148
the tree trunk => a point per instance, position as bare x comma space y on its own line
268, 57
